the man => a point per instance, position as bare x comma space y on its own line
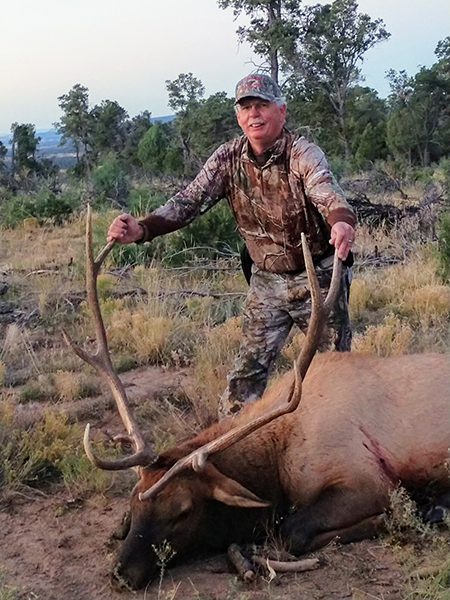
278, 185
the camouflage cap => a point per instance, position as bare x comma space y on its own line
257, 86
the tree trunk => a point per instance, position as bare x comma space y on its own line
13, 153
274, 11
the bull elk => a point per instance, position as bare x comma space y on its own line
321, 450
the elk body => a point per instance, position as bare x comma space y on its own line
321, 455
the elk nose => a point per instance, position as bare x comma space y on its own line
131, 578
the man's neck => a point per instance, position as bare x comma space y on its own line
261, 150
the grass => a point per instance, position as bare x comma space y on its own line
174, 321
7, 592
151, 319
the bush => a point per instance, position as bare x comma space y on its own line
211, 235
49, 451
46, 206
56, 208
121, 255
110, 179
15, 209
444, 246
143, 199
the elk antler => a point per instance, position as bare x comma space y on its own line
320, 309
101, 361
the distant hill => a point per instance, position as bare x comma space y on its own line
51, 138
49, 147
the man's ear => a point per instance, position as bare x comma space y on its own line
229, 491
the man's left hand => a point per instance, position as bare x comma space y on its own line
342, 238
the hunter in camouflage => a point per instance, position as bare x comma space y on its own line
278, 185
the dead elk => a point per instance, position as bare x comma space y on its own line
326, 464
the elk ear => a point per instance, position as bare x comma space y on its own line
229, 491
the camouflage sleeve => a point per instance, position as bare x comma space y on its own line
198, 197
309, 164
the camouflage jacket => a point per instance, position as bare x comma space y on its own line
292, 192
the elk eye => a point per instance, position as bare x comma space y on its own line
183, 514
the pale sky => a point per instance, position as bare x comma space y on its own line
125, 50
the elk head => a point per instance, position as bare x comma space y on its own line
181, 496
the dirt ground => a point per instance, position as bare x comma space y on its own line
57, 547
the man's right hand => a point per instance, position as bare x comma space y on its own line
125, 230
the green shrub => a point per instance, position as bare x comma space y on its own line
121, 255
143, 199
45, 206
48, 452
110, 178
55, 207
15, 209
444, 246
211, 235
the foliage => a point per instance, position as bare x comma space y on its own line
121, 255
93, 131
184, 91
48, 452
75, 123
43, 206
133, 130
403, 520
3, 153
157, 151
274, 26
15, 209
332, 42
110, 178
7, 592
210, 235
24, 145
211, 122
142, 199
444, 246
55, 208
107, 121
418, 128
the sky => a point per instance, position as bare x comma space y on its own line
125, 50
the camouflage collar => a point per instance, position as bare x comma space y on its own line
271, 154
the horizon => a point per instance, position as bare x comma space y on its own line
52, 128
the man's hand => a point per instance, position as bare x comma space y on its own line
125, 229
342, 238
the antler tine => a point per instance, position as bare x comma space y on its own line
319, 312
101, 362
320, 309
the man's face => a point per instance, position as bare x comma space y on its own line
261, 121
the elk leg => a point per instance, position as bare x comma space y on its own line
366, 529
338, 512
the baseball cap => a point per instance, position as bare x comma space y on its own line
257, 86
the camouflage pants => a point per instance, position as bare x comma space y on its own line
275, 302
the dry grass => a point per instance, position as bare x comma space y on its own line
400, 308
395, 309
212, 360
390, 338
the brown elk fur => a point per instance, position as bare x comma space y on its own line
364, 425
